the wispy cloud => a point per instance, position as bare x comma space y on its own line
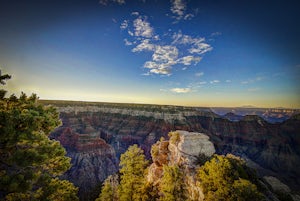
105, 2
179, 10
214, 81
256, 79
199, 74
188, 60
142, 27
135, 13
197, 45
228, 81
124, 24
145, 45
174, 50
214, 34
127, 42
181, 90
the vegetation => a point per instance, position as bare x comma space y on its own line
172, 186
174, 137
109, 190
30, 162
219, 177
132, 179
223, 178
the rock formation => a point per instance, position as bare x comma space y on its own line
92, 158
182, 152
112, 128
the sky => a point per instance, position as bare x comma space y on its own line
211, 53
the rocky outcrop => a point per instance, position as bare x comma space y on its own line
274, 148
277, 185
92, 159
189, 146
182, 149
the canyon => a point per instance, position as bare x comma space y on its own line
96, 134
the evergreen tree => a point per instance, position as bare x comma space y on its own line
2, 82
30, 162
109, 191
221, 178
172, 186
132, 180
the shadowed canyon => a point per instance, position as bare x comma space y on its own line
96, 134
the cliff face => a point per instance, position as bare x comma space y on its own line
92, 158
182, 152
272, 147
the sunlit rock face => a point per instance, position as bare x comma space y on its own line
274, 147
182, 153
190, 146
91, 157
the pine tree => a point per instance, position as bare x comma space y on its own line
172, 186
109, 191
30, 162
2, 82
132, 180
221, 178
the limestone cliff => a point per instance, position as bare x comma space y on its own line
273, 148
183, 152
92, 159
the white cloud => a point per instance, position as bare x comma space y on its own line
200, 48
135, 13
187, 60
165, 54
181, 90
142, 28
158, 68
105, 2
178, 8
127, 42
199, 74
251, 81
119, 1
216, 34
164, 57
228, 81
130, 33
124, 25
198, 45
214, 81
144, 46
188, 16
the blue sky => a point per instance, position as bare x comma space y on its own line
199, 53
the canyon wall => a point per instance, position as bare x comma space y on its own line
95, 135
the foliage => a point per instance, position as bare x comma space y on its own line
109, 191
221, 178
155, 151
174, 137
2, 82
172, 186
132, 179
244, 190
201, 159
30, 162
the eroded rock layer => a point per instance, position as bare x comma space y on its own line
102, 130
